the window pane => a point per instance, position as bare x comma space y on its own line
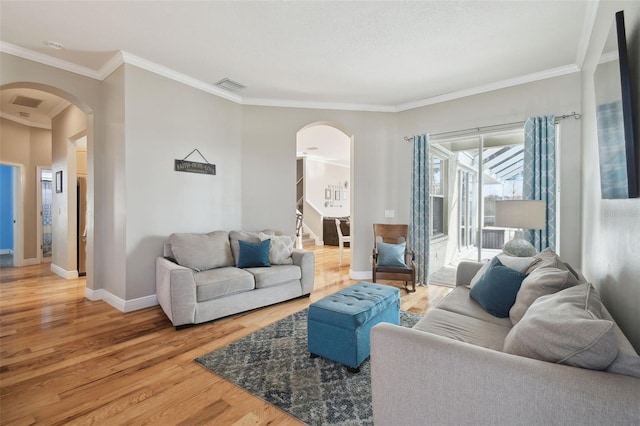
436, 176
438, 215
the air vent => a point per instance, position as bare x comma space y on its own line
25, 114
230, 85
26, 101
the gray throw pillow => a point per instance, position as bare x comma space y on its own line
538, 283
520, 264
281, 248
202, 251
566, 328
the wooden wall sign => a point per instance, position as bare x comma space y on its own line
193, 166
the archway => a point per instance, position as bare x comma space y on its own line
67, 180
324, 155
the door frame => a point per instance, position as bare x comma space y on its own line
19, 178
39, 257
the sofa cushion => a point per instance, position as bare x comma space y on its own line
276, 275
540, 282
391, 254
220, 282
566, 328
496, 290
281, 248
520, 264
253, 255
627, 362
547, 258
458, 301
464, 328
202, 251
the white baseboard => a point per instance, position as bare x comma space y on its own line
360, 275
29, 262
119, 303
67, 275
6, 251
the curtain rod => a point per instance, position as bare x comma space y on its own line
472, 130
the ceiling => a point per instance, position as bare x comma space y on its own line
351, 55
362, 55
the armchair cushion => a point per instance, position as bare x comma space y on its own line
391, 254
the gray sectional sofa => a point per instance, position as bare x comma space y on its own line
557, 358
202, 277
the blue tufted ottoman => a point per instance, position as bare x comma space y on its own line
339, 325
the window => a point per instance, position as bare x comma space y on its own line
436, 195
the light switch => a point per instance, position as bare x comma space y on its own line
389, 213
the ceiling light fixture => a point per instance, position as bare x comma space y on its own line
54, 45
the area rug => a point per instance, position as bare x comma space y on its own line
273, 364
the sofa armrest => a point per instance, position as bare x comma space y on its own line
176, 291
418, 376
306, 260
466, 271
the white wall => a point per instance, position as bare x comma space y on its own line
611, 228
64, 126
320, 176
166, 120
557, 96
269, 170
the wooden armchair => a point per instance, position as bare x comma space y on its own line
397, 269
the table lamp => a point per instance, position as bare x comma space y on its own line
522, 214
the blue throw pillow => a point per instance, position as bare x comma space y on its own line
496, 290
253, 255
391, 254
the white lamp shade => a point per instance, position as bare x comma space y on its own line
523, 214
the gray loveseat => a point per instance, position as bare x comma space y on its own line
460, 365
198, 278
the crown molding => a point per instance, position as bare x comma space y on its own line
179, 77
24, 122
316, 105
529, 78
20, 52
587, 30
59, 108
123, 57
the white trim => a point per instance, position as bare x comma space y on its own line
59, 108
179, 77
24, 122
119, 303
360, 275
587, 31
32, 261
516, 81
124, 57
67, 275
6, 251
317, 105
20, 52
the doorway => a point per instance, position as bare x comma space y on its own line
45, 220
324, 182
9, 181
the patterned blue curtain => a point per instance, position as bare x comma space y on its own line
420, 223
540, 174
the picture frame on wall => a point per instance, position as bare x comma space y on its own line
59, 181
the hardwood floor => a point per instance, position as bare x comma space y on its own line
67, 360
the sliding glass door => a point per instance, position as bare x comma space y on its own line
472, 172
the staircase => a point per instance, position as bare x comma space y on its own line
307, 240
